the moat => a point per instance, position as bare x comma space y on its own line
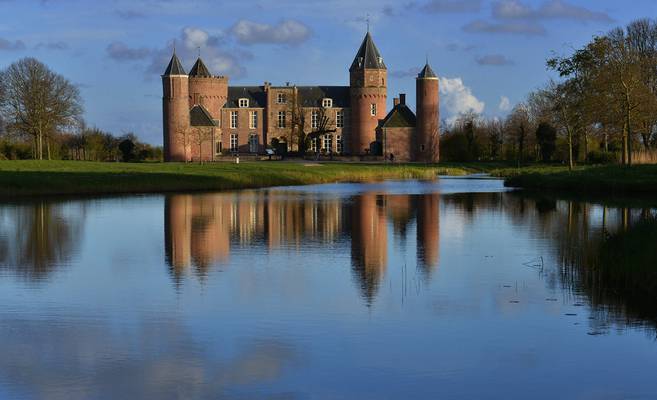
456, 288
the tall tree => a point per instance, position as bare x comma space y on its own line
38, 102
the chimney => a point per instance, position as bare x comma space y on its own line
402, 98
395, 101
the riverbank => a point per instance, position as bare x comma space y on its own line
608, 179
31, 178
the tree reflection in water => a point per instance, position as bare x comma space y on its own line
606, 254
36, 237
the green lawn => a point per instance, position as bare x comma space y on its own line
608, 179
76, 177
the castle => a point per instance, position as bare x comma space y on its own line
205, 118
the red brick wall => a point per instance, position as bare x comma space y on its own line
398, 141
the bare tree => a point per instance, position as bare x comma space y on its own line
199, 135
38, 102
184, 136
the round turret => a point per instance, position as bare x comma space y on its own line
428, 116
175, 107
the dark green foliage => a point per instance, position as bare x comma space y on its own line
127, 148
546, 137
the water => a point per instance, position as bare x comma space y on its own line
455, 289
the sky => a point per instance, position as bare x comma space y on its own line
488, 54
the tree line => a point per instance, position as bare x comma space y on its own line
602, 108
41, 118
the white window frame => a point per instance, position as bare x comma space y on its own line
243, 102
314, 119
234, 142
281, 119
327, 103
338, 144
373, 109
253, 120
339, 119
313, 144
253, 144
280, 98
327, 143
233, 119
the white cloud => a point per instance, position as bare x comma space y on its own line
555, 9
285, 32
456, 98
505, 104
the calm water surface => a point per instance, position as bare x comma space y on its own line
452, 289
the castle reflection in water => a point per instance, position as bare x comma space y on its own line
201, 229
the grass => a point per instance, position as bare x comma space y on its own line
608, 179
25, 178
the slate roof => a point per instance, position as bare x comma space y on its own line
311, 96
368, 56
427, 72
174, 67
199, 70
399, 117
256, 95
199, 116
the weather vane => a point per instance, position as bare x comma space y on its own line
368, 22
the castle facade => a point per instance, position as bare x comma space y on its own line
205, 118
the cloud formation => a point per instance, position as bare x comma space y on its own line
551, 9
119, 51
511, 28
457, 98
493, 60
52, 46
11, 46
289, 32
451, 6
505, 104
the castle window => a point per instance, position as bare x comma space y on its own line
421, 147
339, 119
338, 144
233, 142
243, 103
313, 145
326, 143
253, 143
280, 98
327, 103
281, 119
314, 119
380, 60
373, 109
253, 120
233, 119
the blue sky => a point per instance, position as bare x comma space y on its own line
489, 54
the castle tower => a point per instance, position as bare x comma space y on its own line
428, 122
175, 107
206, 90
368, 91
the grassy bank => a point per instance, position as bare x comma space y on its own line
22, 178
610, 179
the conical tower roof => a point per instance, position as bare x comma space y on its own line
174, 67
427, 72
368, 56
200, 70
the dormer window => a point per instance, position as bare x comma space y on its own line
243, 103
280, 98
380, 60
327, 103
360, 62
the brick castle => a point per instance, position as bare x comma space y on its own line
206, 118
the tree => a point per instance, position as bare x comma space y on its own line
127, 148
546, 136
38, 102
199, 135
